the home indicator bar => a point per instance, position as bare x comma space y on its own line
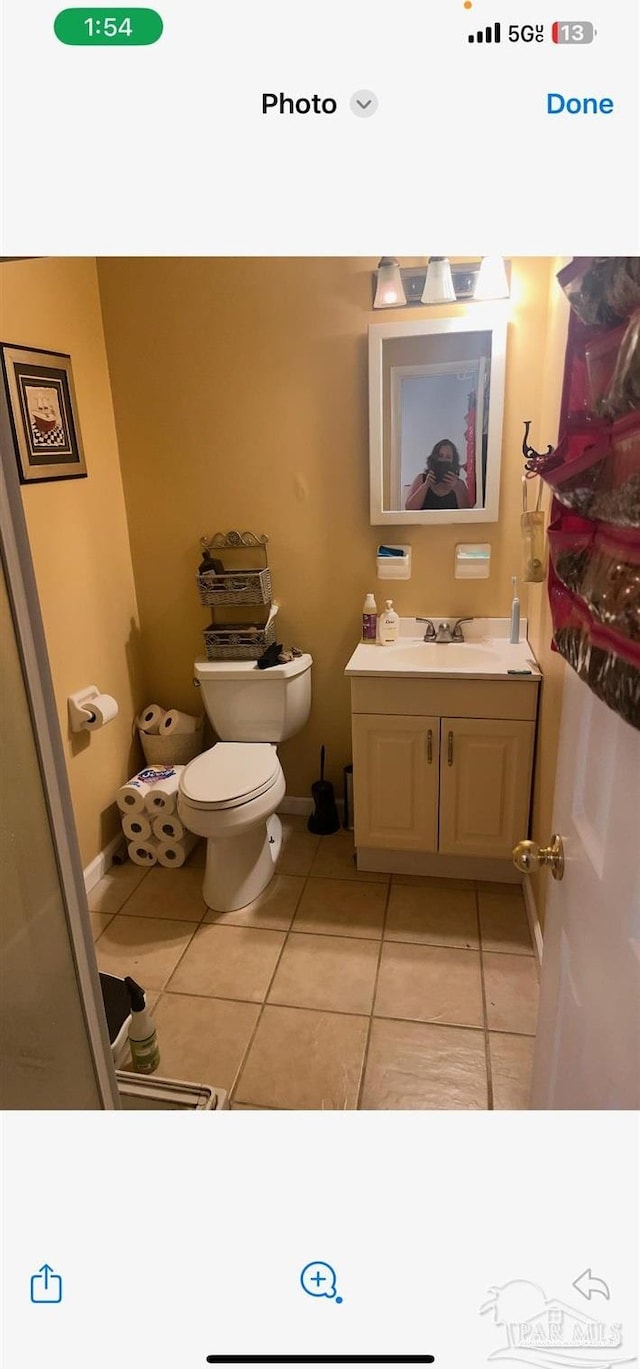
321, 1359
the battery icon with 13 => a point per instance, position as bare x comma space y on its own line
569, 31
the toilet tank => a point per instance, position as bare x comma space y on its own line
245, 704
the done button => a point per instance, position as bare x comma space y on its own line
578, 104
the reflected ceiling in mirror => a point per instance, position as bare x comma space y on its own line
436, 398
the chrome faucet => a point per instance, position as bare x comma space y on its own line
444, 633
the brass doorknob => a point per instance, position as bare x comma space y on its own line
528, 857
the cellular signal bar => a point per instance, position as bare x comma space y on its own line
488, 35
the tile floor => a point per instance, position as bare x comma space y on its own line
336, 988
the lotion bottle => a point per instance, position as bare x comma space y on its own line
143, 1041
388, 624
369, 619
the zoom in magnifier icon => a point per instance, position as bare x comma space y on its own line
319, 1280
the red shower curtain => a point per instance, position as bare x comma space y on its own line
470, 440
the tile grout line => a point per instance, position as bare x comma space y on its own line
365, 1056
125, 901
252, 1037
485, 1015
333, 932
348, 1012
121, 913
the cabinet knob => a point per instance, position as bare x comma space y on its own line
450, 749
528, 857
430, 746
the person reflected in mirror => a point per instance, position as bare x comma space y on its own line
439, 486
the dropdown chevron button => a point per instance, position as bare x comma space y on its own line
363, 103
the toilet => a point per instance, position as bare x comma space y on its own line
230, 793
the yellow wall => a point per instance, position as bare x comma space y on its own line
240, 393
79, 539
541, 628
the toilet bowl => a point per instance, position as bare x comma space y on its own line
230, 793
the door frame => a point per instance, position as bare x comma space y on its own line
32, 647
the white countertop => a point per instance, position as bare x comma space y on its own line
485, 654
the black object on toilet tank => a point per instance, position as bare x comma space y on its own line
324, 818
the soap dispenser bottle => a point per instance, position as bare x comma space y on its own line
143, 1041
388, 624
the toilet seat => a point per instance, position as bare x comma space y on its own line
230, 774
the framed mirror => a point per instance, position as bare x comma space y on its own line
436, 400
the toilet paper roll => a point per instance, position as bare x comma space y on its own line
175, 722
163, 795
172, 854
137, 827
143, 852
150, 719
168, 828
102, 709
132, 797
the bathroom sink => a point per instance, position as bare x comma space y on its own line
441, 656
488, 654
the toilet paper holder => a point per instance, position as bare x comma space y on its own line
81, 715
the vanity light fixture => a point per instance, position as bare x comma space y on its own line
440, 282
492, 280
389, 288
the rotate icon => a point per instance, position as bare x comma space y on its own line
319, 1280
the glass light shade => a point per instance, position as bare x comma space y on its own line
492, 280
438, 285
389, 287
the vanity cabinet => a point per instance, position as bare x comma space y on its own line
442, 767
485, 783
395, 796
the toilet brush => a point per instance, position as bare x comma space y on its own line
324, 818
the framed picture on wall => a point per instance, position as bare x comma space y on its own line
40, 397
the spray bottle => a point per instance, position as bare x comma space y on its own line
142, 1033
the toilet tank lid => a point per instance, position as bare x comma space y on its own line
245, 670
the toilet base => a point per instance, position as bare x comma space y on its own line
240, 867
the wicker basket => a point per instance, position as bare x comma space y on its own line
235, 587
238, 641
172, 750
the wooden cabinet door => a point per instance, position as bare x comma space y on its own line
485, 784
395, 781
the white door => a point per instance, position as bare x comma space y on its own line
588, 1042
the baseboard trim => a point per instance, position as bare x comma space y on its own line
94, 872
533, 919
431, 865
292, 805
